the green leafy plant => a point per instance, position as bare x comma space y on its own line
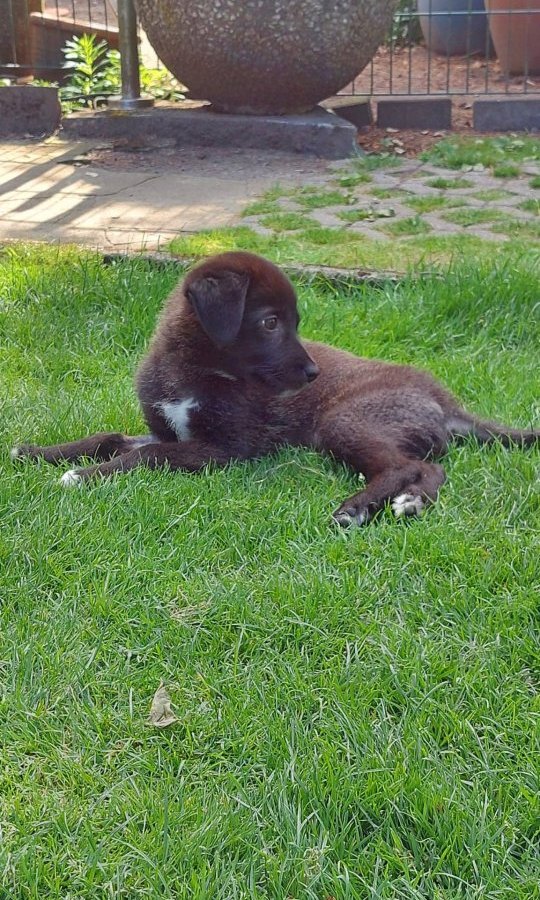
96, 74
406, 24
95, 70
160, 84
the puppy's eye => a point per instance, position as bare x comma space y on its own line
270, 323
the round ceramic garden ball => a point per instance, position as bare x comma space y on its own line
265, 56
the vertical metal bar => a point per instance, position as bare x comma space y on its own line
129, 60
127, 23
391, 68
470, 27
429, 50
489, 57
450, 25
409, 49
508, 45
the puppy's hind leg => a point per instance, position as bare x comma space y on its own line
409, 487
102, 446
413, 498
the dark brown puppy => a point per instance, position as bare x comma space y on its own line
227, 378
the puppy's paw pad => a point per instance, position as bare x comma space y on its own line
347, 517
343, 519
71, 478
408, 505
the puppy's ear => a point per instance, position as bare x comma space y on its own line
219, 303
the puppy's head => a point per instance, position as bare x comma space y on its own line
247, 308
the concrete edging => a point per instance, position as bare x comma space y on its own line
28, 109
328, 273
318, 133
506, 113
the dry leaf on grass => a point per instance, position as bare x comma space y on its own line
161, 714
189, 614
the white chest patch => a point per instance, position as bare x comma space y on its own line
177, 415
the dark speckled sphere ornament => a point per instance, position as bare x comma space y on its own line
265, 56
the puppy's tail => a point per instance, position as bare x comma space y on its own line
463, 424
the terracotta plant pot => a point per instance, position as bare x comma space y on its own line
515, 29
455, 27
265, 56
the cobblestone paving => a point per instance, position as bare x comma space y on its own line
407, 198
58, 190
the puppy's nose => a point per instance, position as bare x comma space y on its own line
311, 370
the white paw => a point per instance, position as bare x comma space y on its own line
15, 453
408, 505
71, 478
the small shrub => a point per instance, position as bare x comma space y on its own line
95, 71
406, 25
96, 74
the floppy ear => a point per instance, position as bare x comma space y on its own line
219, 304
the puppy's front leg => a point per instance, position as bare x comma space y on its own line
189, 456
100, 446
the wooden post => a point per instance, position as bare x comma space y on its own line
7, 48
20, 15
15, 30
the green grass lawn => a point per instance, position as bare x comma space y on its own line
312, 244
358, 712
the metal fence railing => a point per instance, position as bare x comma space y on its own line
436, 47
457, 47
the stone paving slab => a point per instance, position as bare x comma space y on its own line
46, 194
